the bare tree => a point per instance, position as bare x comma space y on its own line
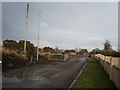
107, 45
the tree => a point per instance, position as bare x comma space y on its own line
107, 48
107, 45
48, 49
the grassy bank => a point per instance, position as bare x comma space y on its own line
93, 76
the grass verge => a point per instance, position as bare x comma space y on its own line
93, 76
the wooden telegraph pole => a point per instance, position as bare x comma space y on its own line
26, 29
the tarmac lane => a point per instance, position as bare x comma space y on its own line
52, 75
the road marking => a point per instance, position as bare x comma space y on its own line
77, 76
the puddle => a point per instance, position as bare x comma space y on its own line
11, 80
36, 78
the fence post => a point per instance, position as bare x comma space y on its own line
111, 68
119, 73
119, 79
105, 63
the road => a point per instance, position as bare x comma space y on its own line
52, 75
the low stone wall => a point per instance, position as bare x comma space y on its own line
107, 69
115, 76
115, 61
111, 66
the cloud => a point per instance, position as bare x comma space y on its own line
96, 38
43, 24
115, 48
43, 43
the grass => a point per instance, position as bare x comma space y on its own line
93, 76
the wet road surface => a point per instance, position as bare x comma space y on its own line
53, 75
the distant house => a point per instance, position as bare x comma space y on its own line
96, 50
83, 52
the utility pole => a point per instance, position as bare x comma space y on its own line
76, 49
26, 29
38, 37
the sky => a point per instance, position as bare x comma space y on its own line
66, 25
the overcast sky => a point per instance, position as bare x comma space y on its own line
65, 25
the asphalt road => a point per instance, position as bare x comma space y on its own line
52, 75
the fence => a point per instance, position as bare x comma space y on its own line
111, 66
